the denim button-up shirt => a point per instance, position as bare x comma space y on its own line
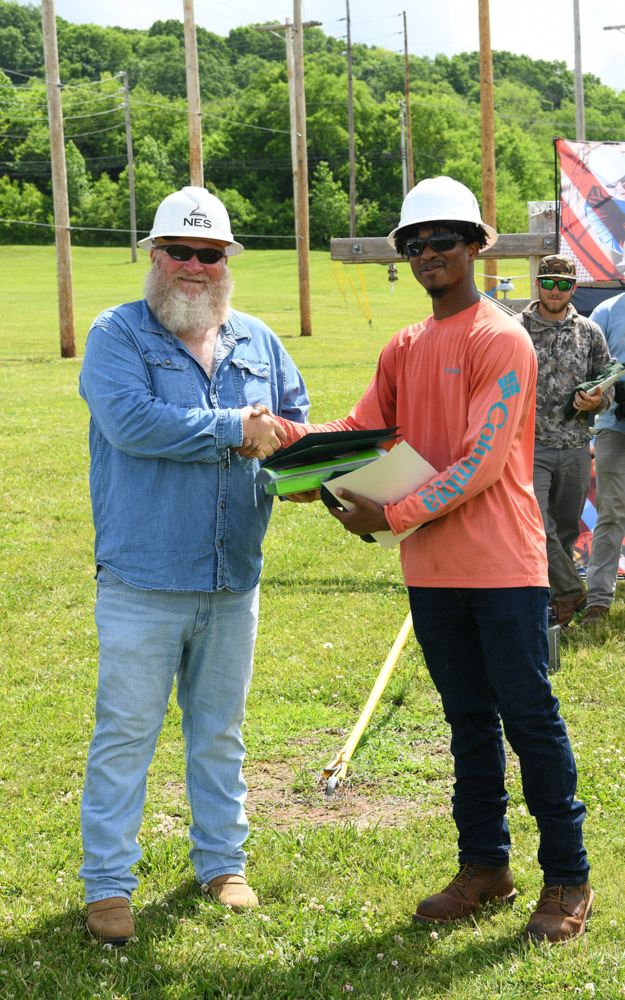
174, 508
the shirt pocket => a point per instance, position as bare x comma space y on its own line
252, 381
171, 377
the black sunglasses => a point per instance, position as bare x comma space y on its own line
563, 285
178, 251
438, 242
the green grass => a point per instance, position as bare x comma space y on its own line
338, 878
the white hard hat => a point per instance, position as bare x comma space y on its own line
438, 199
195, 212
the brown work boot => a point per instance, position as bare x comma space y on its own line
594, 614
110, 920
561, 913
473, 886
231, 890
566, 609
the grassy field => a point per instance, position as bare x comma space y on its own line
338, 878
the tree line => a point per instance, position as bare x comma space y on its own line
246, 141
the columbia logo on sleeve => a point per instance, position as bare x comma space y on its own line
440, 492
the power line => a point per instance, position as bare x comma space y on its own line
206, 114
99, 229
76, 104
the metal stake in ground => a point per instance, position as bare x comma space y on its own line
337, 768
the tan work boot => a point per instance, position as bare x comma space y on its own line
566, 609
473, 886
561, 913
110, 920
594, 614
231, 890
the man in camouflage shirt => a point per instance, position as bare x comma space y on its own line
570, 349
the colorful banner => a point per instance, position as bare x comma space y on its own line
592, 207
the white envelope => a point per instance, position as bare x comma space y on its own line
390, 478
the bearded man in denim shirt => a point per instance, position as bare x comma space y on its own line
181, 391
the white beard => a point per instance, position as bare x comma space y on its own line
181, 314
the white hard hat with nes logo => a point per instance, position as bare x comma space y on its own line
195, 212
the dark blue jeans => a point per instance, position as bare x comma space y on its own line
487, 653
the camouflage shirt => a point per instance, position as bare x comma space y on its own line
569, 351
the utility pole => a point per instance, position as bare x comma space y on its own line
580, 122
290, 75
350, 128
487, 97
59, 182
409, 164
402, 133
303, 256
299, 152
196, 164
131, 171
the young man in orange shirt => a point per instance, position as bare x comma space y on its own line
461, 386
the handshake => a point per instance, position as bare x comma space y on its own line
262, 434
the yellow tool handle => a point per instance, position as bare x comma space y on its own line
376, 692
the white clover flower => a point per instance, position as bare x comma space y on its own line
222, 946
36, 965
314, 960
380, 955
434, 936
395, 962
328, 645
590, 987
107, 946
348, 988
123, 959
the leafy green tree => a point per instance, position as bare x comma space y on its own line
329, 207
78, 187
25, 203
100, 210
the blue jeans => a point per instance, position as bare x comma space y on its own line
487, 653
148, 637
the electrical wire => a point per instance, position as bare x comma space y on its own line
99, 229
206, 114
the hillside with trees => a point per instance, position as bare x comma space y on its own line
245, 104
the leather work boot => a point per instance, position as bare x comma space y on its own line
566, 609
110, 920
561, 913
594, 614
473, 886
231, 890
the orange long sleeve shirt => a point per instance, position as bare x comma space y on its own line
462, 391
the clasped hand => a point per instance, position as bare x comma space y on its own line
588, 400
262, 434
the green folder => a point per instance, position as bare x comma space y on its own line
281, 482
319, 456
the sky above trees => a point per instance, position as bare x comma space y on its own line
531, 27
